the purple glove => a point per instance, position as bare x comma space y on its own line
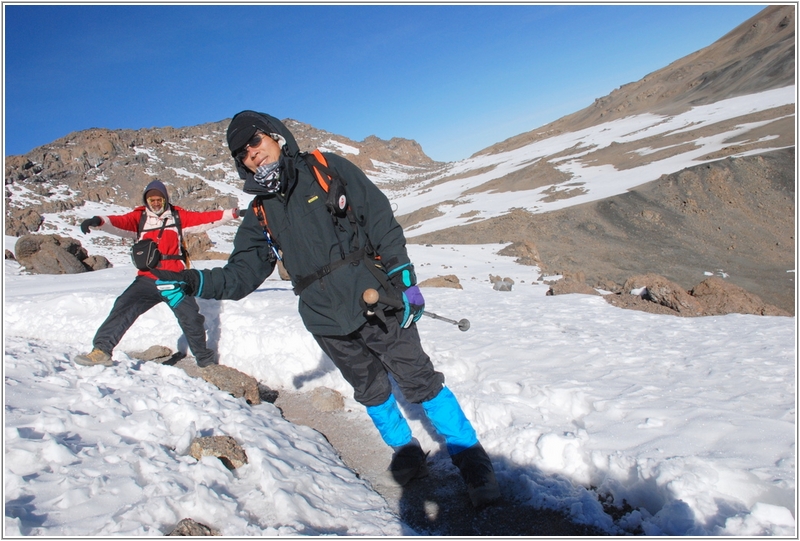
405, 279
414, 306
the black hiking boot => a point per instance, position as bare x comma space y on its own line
478, 474
409, 462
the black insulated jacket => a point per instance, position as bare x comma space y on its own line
311, 238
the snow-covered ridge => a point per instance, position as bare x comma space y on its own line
568, 152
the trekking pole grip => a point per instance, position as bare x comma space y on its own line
371, 298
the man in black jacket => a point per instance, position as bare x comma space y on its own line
329, 246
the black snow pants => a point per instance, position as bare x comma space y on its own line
140, 297
367, 356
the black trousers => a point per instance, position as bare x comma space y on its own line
367, 357
140, 297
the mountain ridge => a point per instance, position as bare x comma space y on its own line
648, 134
758, 55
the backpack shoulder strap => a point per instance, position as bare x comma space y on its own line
332, 184
142, 221
320, 159
176, 217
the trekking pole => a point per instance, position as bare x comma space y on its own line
372, 298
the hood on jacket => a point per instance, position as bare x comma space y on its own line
242, 127
159, 187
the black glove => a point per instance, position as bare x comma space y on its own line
241, 212
94, 221
174, 286
404, 279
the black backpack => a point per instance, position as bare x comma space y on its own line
145, 253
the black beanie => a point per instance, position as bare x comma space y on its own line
242, 128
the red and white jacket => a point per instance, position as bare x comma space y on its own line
127, 226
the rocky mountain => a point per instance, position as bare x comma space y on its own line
113, 166
758, 55
689, 170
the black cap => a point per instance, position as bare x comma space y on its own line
242, 128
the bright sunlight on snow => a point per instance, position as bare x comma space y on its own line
689, 420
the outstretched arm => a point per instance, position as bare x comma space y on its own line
124, 225
197, 222
248, 266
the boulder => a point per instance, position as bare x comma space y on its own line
223, 447
636, 302
658, 289
23, 221
571, 283
189, 528
525, 252
325, 399
51, 254
450, 280
97, 262
233, 381
501, 284
718, 297
565, 287
197, 243
153, 353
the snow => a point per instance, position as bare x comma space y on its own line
337, 147
690, 420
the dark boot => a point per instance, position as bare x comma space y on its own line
409, 462
478, 474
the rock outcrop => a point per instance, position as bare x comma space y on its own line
54, 254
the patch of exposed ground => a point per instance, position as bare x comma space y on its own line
419, 215
733, 218
538, 174
466, 174
436, 505
557, 193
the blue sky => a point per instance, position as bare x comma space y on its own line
456, 78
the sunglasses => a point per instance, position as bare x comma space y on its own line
153, 200
253, 142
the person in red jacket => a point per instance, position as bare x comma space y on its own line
159, 225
